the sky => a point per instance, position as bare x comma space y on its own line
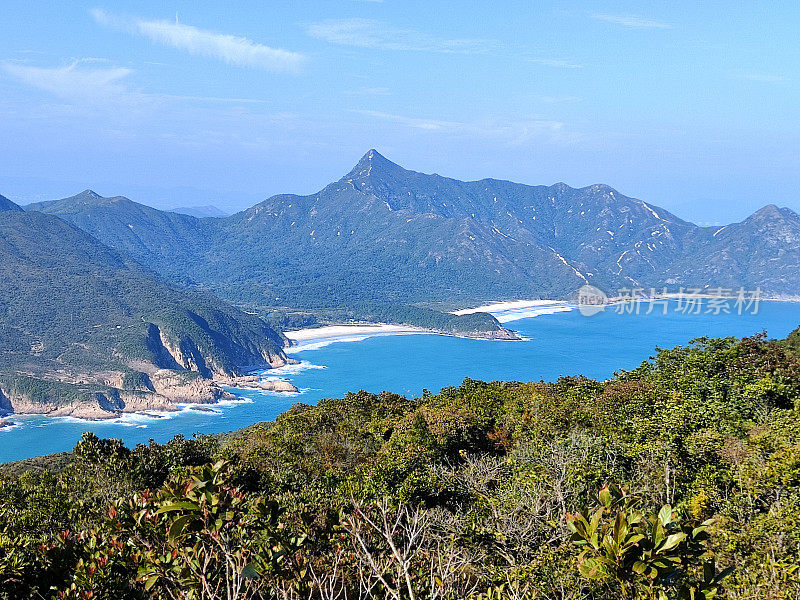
691, 106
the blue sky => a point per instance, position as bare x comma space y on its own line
689, 105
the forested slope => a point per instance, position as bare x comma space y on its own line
678, 479
80, 324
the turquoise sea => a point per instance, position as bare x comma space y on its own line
564, 343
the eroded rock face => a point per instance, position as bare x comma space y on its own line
499, 334
177, 388
161, 354
178, 374
181, 355
170, 389
101, 406
110, 402
184, 354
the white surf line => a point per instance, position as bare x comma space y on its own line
515, 310
319, 337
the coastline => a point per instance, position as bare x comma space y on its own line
318, 337
333, 331
514, 310
304, 339
214, 392
30, 433
504, 311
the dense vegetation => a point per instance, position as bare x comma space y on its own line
678, 479
72, 310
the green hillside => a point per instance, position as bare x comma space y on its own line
679, 479
77, 318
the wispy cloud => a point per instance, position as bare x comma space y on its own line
556, 62
231, 49
83, 82
632, 21
559, 99
508, 132
213, 99
369, 33
75, 81
415, 123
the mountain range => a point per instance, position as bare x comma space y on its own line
109, 305
386, 236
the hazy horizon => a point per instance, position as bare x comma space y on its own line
686, 107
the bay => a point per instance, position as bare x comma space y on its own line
563, 343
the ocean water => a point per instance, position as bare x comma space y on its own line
560, 343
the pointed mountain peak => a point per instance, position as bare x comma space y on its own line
374, 157
371, 163
7, 205
88, 194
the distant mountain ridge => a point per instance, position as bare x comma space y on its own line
156, 238
384, 234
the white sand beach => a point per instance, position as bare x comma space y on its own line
331, 331
504, 312
519, 309
317, 337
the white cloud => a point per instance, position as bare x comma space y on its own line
231, 49
75, 81
82, 82
556, 62
368, 33
632, 21
508, 132
415, 123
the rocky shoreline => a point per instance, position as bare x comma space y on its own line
168, 390
257, 383
498, 334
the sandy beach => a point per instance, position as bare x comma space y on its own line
335, 331
317, 337
515, 310
504, 312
